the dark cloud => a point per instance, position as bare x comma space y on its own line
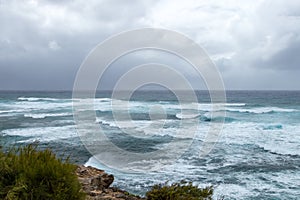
286, 59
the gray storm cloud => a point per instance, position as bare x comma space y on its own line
255, 45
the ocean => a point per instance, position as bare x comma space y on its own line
257, 155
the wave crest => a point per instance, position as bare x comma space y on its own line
44, 115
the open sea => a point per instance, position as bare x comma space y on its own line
257, 155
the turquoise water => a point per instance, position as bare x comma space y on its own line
256, 157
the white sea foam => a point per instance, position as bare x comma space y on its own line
11, 111
284, 140
234, 191
137, 124
187, 116
43, 133
162, 127
261, 110
235, 104
124, 124
44, 115
39, 105
36, 99
203, 106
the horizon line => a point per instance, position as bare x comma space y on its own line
108, 90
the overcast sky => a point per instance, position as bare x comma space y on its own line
254, 44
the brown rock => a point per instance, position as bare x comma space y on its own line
96, 184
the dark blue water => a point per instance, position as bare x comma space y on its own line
256, 157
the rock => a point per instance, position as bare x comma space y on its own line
96, 184
93, 179
102, 181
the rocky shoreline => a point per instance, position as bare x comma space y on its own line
96, 184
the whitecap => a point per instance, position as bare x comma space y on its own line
11, 111
187, 116
40, 105
43, 133
261, 110
36, 99
44, 115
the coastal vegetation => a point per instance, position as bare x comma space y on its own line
27, 173
179, 191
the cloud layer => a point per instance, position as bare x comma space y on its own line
255, 45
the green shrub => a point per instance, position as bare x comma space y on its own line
26, 173
179, 191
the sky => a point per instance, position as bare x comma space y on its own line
254, 44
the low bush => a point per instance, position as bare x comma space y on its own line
26, 173
179, 191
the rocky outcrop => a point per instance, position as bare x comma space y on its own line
96, 184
